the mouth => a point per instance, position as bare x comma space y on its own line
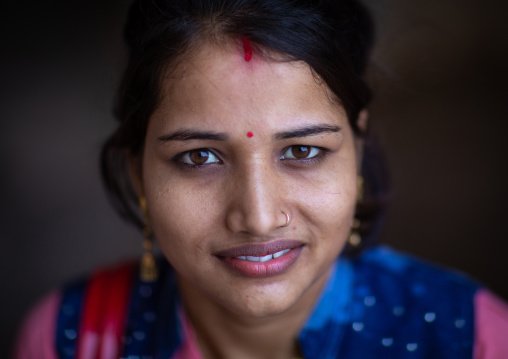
262, 260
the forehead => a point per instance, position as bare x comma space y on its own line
218, 80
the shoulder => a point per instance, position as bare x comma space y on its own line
92, 311
416, 292
407, 277
115, 311
385, 304
426, 308
401, 306
95, 304
36, 335
447, 302
491, 316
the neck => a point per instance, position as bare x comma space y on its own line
222, 333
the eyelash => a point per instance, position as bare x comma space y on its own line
321, 152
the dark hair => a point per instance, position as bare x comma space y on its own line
334, 37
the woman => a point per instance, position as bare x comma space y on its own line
241, 148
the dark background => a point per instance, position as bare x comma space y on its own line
440, 76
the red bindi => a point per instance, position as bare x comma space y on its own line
247, 49
250, 134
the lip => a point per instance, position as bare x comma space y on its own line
260, 249
270, 268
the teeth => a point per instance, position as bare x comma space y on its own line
278, 254
264, 258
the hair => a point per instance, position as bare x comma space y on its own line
334, 37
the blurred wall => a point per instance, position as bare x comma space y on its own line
440, 77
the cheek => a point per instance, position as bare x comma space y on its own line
181, 211
327, 201
181, 225
330, 209
329, 191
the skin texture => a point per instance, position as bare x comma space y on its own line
236, 197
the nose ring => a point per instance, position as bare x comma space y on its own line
287, 219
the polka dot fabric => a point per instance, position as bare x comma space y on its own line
380, 305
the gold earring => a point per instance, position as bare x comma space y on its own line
355, 239
147, 267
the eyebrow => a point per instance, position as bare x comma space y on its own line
306, 131
186, 135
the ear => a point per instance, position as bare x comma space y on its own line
362, 123
135, 168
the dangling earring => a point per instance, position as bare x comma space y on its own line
147, 267
354, 238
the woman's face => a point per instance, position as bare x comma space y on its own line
234, 147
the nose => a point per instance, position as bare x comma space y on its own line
256, 201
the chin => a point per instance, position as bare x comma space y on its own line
266, 302
258, 310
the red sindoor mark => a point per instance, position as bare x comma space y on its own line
247, 49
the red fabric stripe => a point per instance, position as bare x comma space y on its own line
104, 312
116, 306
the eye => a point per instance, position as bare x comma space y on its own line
198, 157
300, 153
